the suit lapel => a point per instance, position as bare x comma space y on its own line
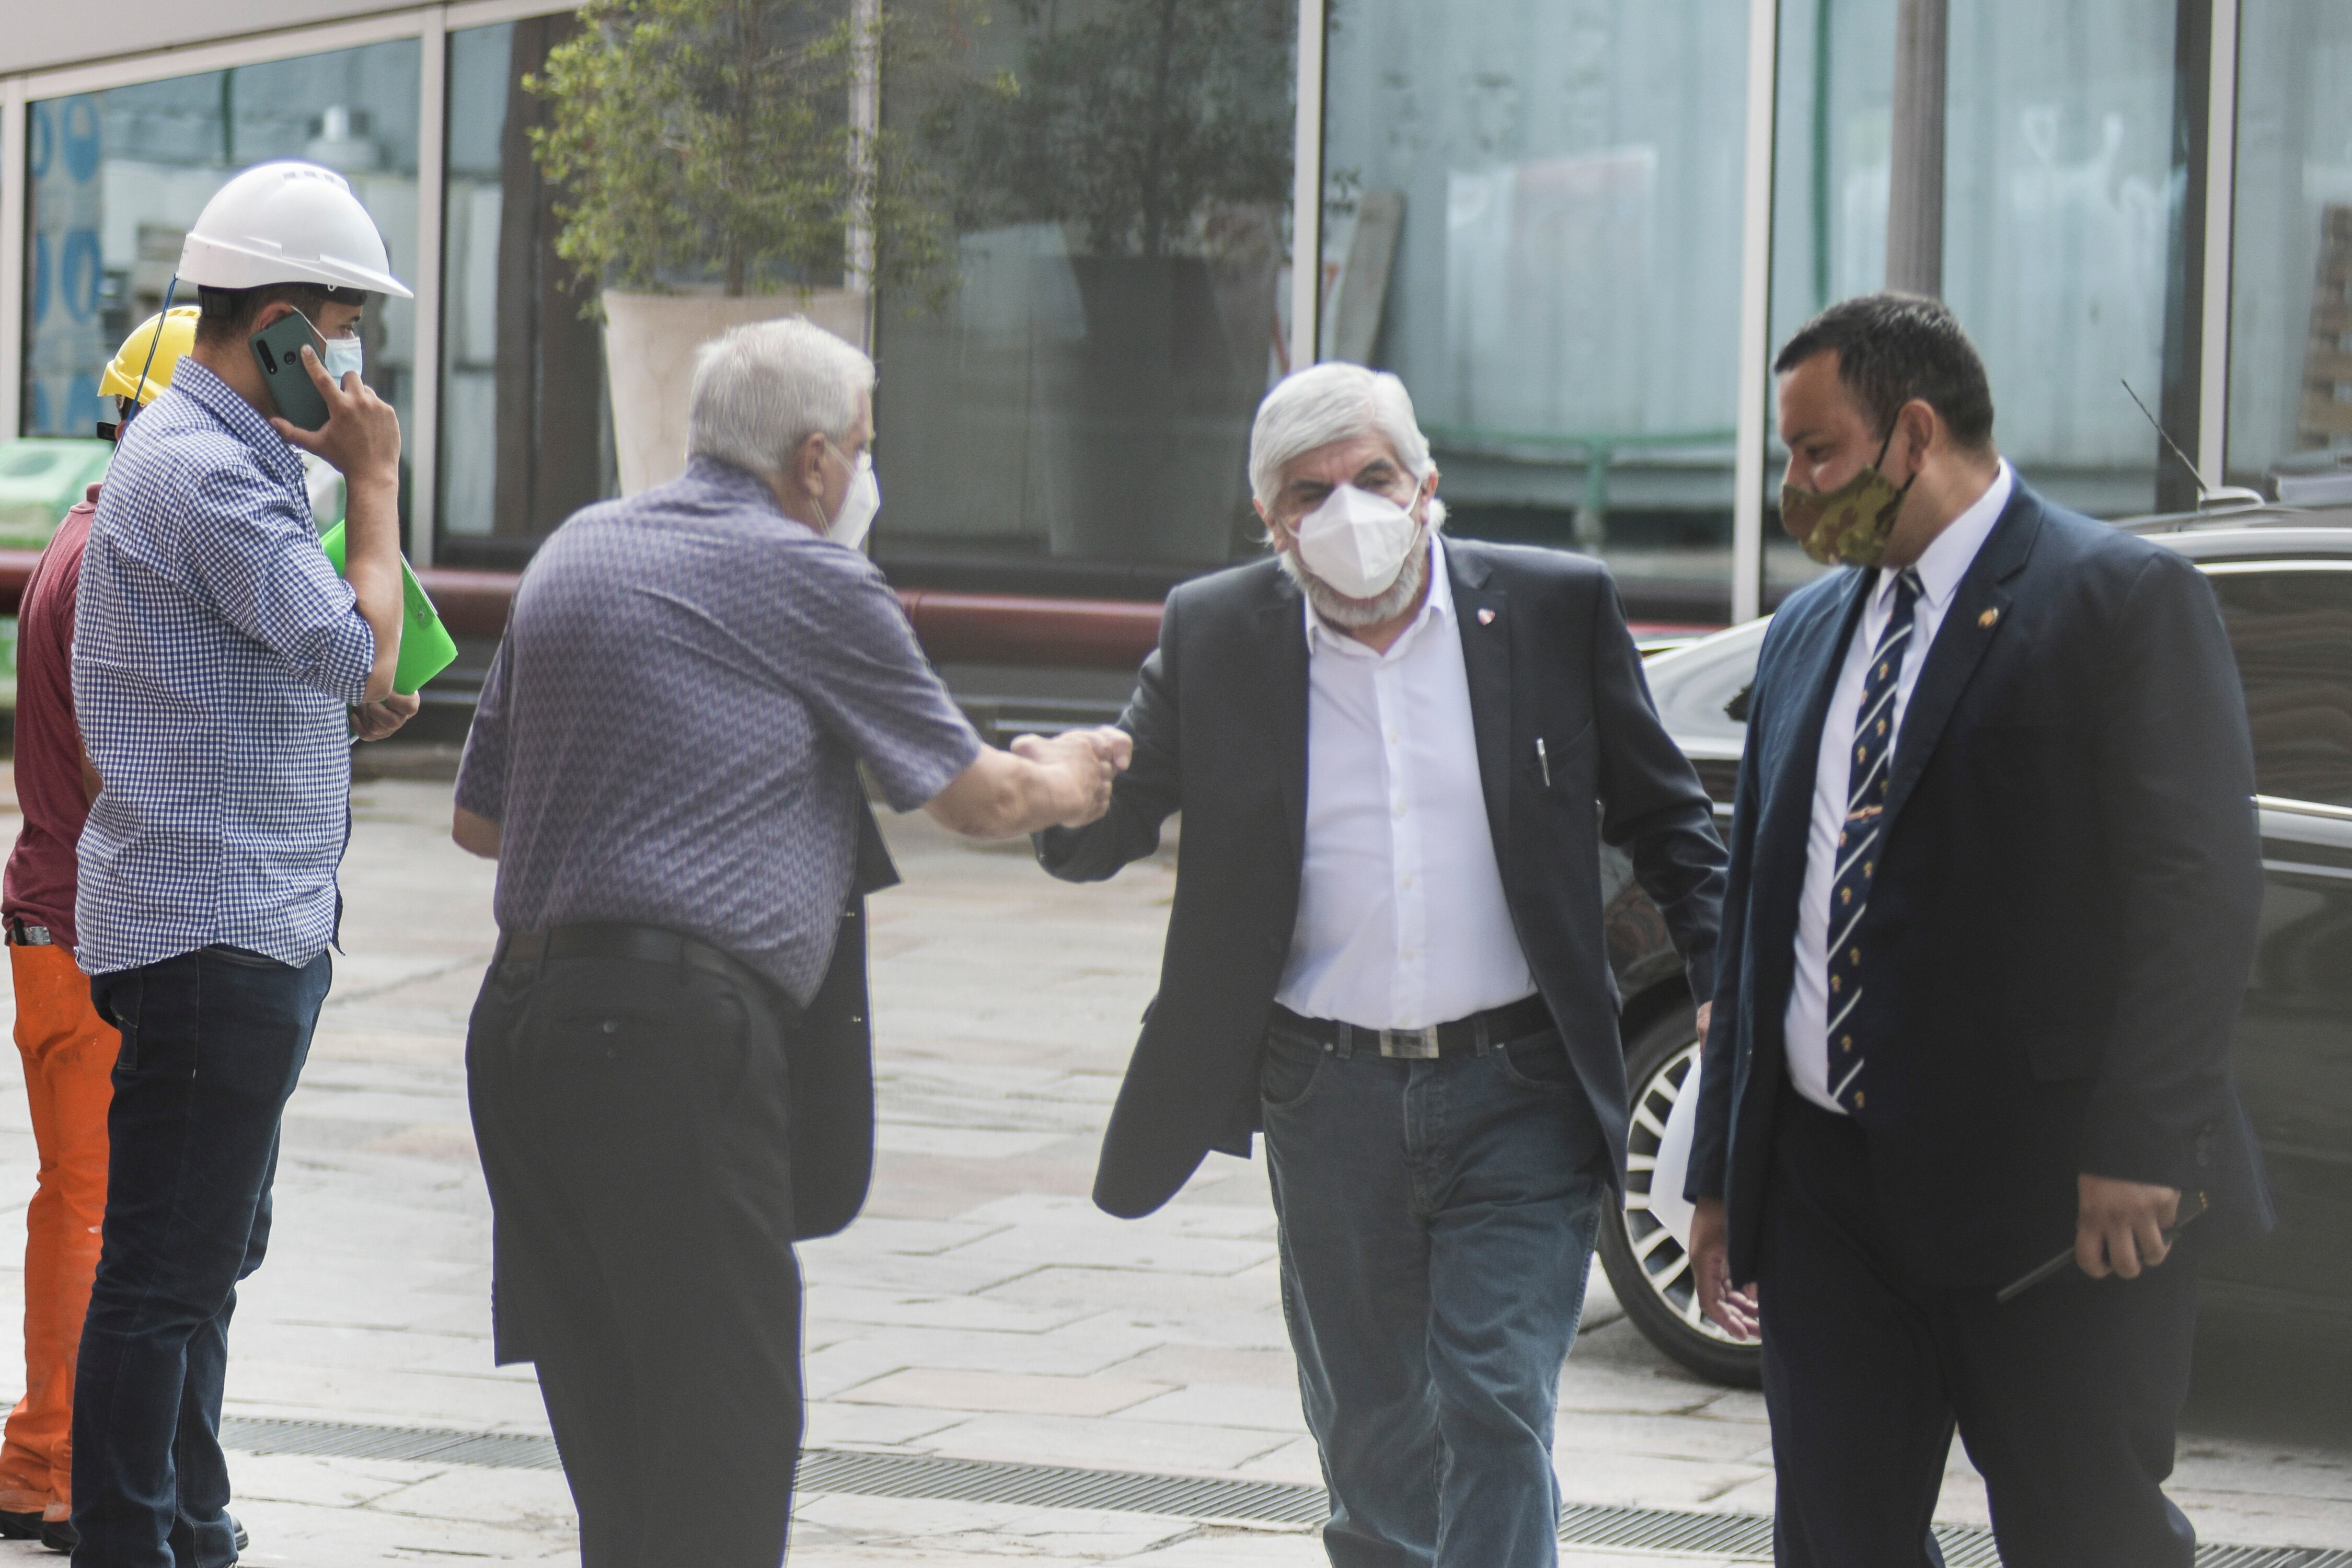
1980, 610
1282, 655
1815, 656
1479, 604
1816, 659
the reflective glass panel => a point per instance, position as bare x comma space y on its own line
2292, 629
1829, 198
2291, 279
524, 441
116, 178
1532, 214
2064, 191
1071, 406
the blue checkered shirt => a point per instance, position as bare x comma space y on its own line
214, 652
671, 731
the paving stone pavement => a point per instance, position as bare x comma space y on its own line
980, 1309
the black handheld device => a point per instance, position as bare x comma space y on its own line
2192, 1206
278, 352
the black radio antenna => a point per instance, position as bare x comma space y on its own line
2207, 496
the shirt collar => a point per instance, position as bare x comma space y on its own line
225, 403
740, 485
1951, 553
1439, 605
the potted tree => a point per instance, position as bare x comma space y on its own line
720, 163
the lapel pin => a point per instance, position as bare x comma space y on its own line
1486, 617
1988, 618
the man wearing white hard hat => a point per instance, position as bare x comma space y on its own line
219, 667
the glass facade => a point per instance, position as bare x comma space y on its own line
524, 440
1832, 168
2064, 220
1532, 214
2062, 215
2291, 306
1070, 406
115, 178
1532, 210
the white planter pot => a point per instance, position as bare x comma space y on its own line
649, 344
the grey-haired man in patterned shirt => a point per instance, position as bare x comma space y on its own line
669, 1061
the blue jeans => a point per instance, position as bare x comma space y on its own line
212, 1044
1437, 1219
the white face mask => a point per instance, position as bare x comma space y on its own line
1356, 542
858, 504
338, 356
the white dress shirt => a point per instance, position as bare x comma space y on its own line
1402, 921
1940, 569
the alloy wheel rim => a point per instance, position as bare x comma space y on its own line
1665, 1262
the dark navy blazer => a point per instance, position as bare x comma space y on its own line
2062, 925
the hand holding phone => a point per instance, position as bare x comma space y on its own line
278, 353
349, 426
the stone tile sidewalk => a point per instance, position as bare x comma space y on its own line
982, 1308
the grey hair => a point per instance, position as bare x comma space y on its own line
1328, 403
761, 389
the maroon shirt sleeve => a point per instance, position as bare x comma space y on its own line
39, 885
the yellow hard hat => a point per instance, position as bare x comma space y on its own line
133, 360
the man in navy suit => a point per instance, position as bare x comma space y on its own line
1994, 884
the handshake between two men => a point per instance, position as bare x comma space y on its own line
1061, 781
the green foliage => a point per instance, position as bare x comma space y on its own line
1129, 118
693, 138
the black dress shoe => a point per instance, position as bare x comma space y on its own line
20, 1526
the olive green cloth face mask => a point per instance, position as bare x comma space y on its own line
1850, 525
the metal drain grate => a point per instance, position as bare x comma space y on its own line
1056, 1486
1744, 1537
1669, 1532
346, 1441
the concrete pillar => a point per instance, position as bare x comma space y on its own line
1914, 196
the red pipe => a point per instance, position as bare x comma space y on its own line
954, 629
1006, 628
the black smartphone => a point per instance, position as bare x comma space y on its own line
278, 352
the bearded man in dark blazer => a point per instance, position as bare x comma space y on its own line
1994, 885
1398, 755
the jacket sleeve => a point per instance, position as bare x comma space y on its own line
2176, 780
1708, 1177
1653, 804
1147, 793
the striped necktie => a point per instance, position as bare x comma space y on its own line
1865, 807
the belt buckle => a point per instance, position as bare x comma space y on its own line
1415, 1044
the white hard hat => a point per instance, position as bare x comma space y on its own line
288, 222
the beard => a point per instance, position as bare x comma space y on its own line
1386, 606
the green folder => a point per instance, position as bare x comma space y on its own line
425, 648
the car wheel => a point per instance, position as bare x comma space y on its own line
1648, 1267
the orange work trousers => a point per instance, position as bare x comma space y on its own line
69, 1078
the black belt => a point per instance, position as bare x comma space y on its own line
640, 943
1470, 1037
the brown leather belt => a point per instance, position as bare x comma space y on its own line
1470, 1037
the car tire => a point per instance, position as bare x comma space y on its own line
1647, 1267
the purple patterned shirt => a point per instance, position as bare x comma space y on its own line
671, 730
